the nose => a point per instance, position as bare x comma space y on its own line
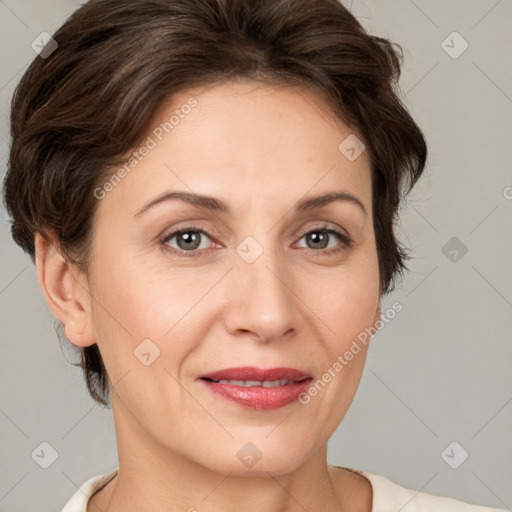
262, 303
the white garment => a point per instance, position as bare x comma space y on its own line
387, 497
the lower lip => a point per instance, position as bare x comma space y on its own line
258, 397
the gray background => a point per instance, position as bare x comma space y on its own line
439, 372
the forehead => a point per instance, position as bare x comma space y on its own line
247, 142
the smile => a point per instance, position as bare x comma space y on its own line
260, 389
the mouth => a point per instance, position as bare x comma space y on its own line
255, 388
254, 383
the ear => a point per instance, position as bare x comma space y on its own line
66, 291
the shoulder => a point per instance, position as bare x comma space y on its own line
389, 496
79, 500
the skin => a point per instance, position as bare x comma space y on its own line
260, 149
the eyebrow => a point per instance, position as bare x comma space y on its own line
215, 205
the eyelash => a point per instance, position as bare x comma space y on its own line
345, 239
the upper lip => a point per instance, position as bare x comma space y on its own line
256, 374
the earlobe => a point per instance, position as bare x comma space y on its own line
65, 290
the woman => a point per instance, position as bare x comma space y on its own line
268, 136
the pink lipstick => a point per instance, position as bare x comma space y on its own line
255, 388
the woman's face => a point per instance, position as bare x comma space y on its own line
245, 285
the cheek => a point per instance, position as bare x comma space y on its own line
138, 299
352, 312
131, 316
135, 304
345, 302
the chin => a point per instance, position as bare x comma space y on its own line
256, 458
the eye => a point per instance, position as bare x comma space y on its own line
320, 236
188, 241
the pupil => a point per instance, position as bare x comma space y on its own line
321, 236
189, 237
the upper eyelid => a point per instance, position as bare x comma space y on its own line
324, 226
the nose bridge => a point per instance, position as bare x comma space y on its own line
263, 303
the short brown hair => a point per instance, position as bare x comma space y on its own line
78, 110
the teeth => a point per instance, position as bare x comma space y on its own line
252, 383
